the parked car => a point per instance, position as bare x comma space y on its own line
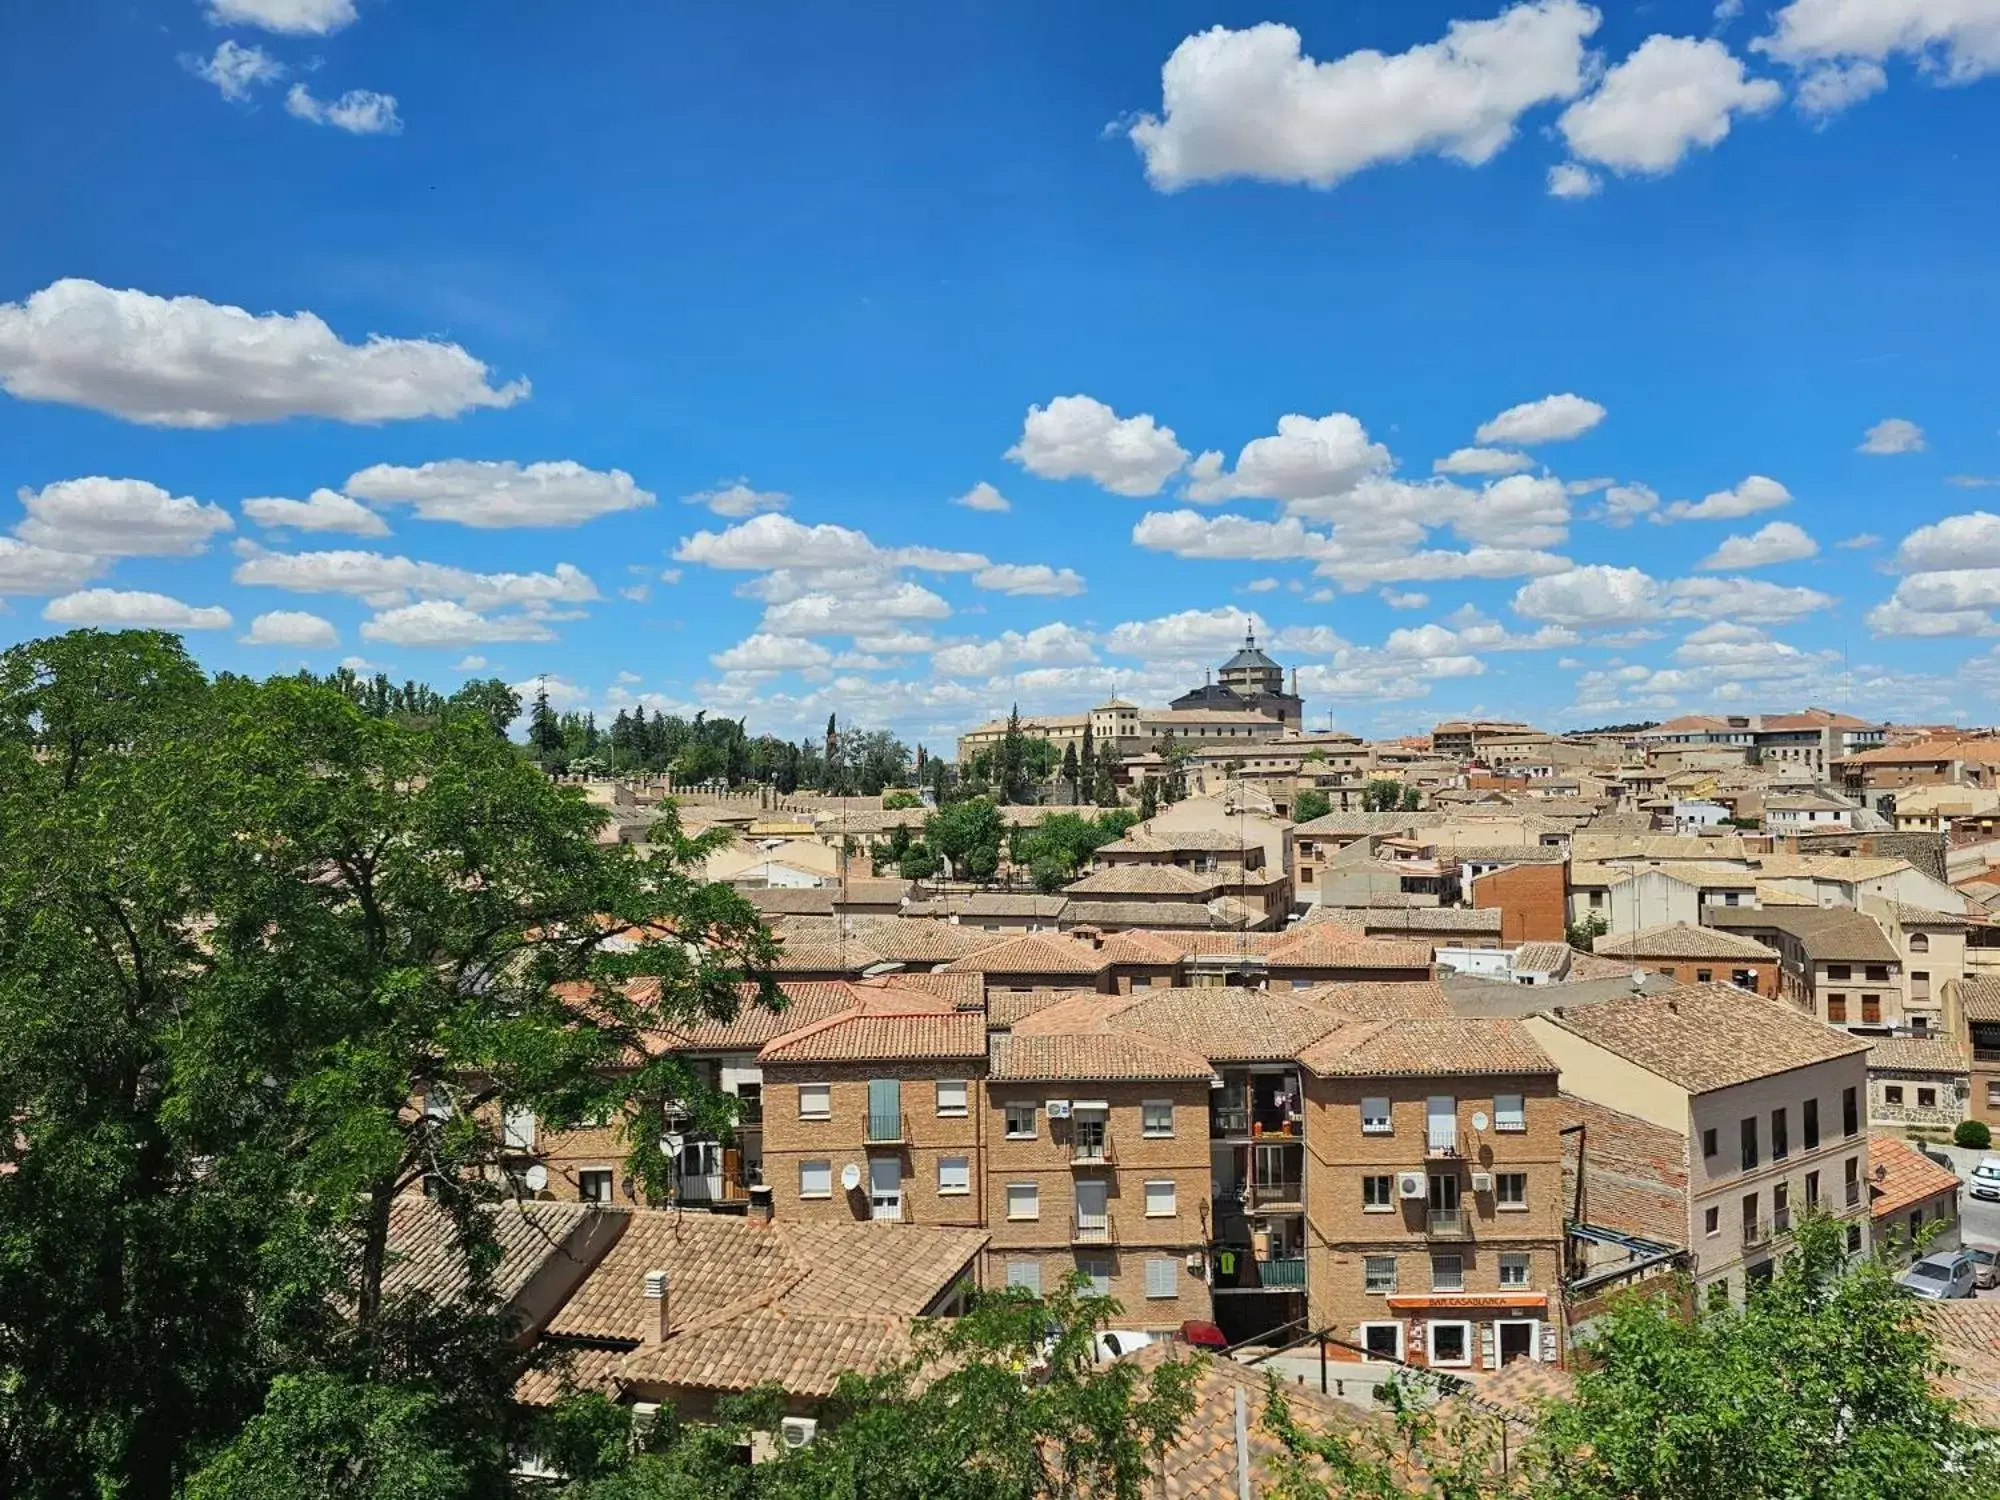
1114, 1343
1985, 1179
1985, 1265
1941, 1275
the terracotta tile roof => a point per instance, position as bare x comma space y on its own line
1542, 958
976, 905
1417, 919
1435, 1047
806, 1000
803, 1355
1145, 948
1005, 1008
1178, 840
1377, 999
1585, 966
915, 940
1088, 1056
1682, 940
1980, 998
1925, 916
1836, 934
1708, 1036
1635, 1172
1916, 1054
1225, 1025
1147, 880
1225, 914
884, 1024
822, 949
571, 1369
1519, 1391
787, 901
1968, 1335
721, 1266
1356, 824
423, 1257
1910, 1177
1033, 953
1328, 945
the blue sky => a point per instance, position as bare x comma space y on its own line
487, 292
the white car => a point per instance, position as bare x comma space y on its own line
1985, 1179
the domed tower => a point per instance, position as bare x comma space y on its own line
1250, 673
1250, 683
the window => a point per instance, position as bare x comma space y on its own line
815, 1179
1810, 1109
1836, 1008
954, 1175
1853, 1239
1376, 1190
1378, 1273
1749, 1133
1509, 1113
1510, 1189
1920, 942
1892, 1093
1374, 1116
1708, 1142
1020, 1122
1383, 1341
1025, 1273
1839, 971
1871, 1009
593, 1185
1993, 1095
1160, 1199
517, 1129
1513, 1270
1097, 1270
1851, 1180
1596, 900
1703, 976
1850, 1112
1711, 1222
1926, 1098
1781, 1134
815, 1101
1877, 973
1447, 1273
1920, 984
1451, 1343
1750, 1235
1160, 1278
1812, 1190
1024, 1201
1156, 1119
951, 1097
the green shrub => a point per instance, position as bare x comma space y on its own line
1973, 1135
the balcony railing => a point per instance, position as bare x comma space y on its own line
1781, 1221
1281, 1274
1092, 1229
1229, 1122
1986, 1054
1757, 1233
887, 1128
1441, 1143
1091, 1149
1277, 1192
1854, 1194
1448, 1224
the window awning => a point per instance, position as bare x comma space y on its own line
1095, 1106
1463, 1301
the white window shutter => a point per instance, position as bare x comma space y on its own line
1489, 1354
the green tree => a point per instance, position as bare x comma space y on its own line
1309, 804
898, 801
1382, 795
1584, 932
490, 700
1104, 778
1149, 798
545, 730
968, 834
1072, 774
1413, 799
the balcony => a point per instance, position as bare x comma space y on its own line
1758, 1233
1225, 1123
1448, 1224
1091, 1148
1093, 1229
749, 1113
1781, 1221
1282, 1191
1282, 1275
887, 1127
1441, 1145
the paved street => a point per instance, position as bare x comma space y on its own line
1978, 1219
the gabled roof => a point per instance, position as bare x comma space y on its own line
1903, 1177
1980, 998
1635, 1173
1378, 999
1444, 1046
1328, 945
1147, 880
1916, 1054
1033, 953
1541, 958
1225, 1025
1682, 940
1837, 934
1102, 1056
884, 1025
1703, 1037
423, 1256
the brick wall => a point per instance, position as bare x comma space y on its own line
1342, 1232
842, 1137
1533, 901
1719, 970
1136, 1159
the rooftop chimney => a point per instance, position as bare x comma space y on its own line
657, 1322
761, 1205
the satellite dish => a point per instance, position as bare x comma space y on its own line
1638, 979
536, 1177
850, 1177
1479, 1119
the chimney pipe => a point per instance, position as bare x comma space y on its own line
657, 1321
761, 1203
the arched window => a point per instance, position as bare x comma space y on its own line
1920, 942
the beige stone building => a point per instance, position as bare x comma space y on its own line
1769, 1103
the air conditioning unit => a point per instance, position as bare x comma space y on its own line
796, 1432
1482, 1182
1412, 1185
1059, 1109
1197, 1263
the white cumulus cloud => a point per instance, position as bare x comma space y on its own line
1080, 437
1310, 458
446, 622
1189, 634
1952, 41
25, 569
322, 511
1754, 494
381, 580
1052, 645
1249, 103
982, 496
1568, 180
1036, 579
236, 71
488, 495
1482, 461
1672, 95
358, 111
291, 627
118, 518
1893, 435
1553, 419
287, 17
1601, 595
1776, 542
131, 609
185, 362
772, 653
737, 499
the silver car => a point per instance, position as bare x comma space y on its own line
1985, 1265
1984, 1181
1941, 1275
